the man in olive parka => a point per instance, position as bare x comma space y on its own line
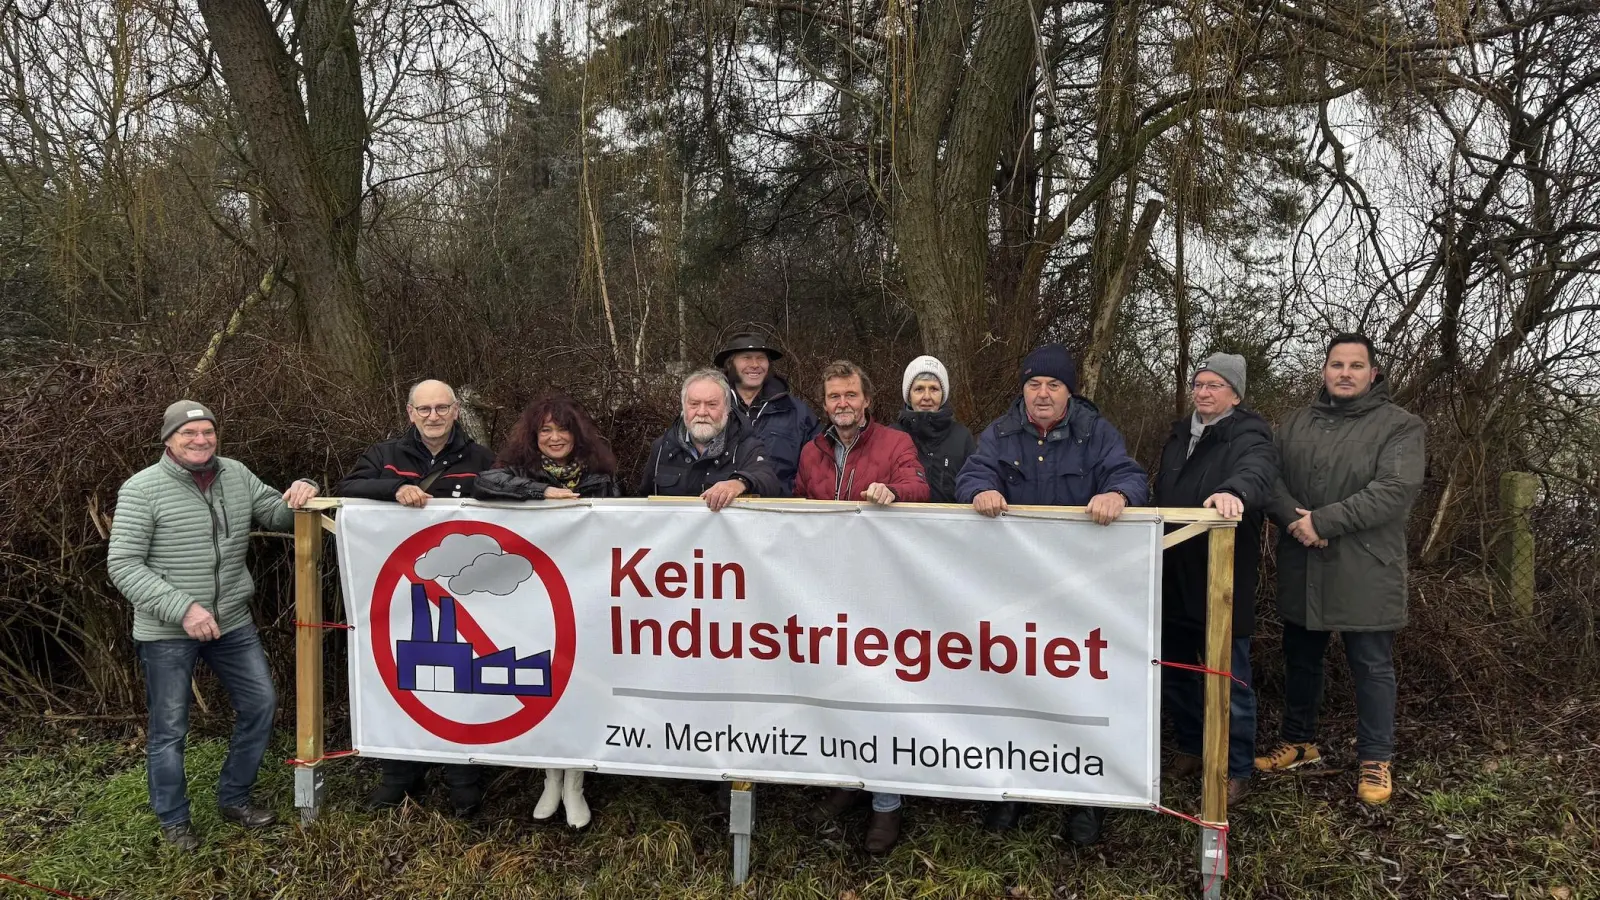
1352, 466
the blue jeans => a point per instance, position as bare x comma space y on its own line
1371, 658
239, 662
1183, 697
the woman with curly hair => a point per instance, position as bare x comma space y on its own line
554, 453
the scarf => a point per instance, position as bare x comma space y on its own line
204, 474
1198, 428
565, 475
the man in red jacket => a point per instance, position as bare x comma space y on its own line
857, 459
854, 458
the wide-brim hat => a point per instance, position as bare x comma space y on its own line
741, 343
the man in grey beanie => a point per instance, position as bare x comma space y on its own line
1220, 456
177, 552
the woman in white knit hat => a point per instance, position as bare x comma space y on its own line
943, 444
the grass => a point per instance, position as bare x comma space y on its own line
1467, 821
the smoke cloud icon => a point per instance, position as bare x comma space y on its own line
474, 564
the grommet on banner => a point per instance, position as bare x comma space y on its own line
803, 780
1013, 796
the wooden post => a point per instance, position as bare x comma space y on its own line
1514, 557
308, 662
1219, 658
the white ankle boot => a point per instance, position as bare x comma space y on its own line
572, 798
551, 798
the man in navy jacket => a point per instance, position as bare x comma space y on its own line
1052, 448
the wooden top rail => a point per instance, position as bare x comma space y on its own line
1209, 518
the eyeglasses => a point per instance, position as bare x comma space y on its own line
190, 434
1204, 387
439, 410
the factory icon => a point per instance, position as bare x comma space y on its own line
446, 664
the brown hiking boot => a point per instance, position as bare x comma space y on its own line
1184, 765
1376, 783
883, 830
1238, 789
1288, 755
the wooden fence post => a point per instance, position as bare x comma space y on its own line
1219, 658
308, 663
1515, 556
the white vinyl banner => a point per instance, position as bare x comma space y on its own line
912, 649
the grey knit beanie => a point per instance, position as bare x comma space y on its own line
1230, 366
182, 413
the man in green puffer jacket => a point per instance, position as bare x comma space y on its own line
177, 553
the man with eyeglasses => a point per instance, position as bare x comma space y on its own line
1220, 456
433, 458
177, 553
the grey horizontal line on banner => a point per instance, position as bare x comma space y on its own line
863, 706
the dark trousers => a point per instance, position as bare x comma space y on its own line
405, 773
237, 659
1371, 658
1183, 697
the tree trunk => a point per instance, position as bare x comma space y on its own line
947, 145
336, 114
309, 199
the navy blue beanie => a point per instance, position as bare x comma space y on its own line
1051, 361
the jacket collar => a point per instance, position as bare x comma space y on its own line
457, 443
171, 467
927, 424
1241, 417
830, 437
1241, 420
774, 392
677, 440
1079, 423
1222, 427
1377, 396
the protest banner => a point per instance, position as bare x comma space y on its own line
911, 649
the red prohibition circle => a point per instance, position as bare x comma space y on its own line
402, 563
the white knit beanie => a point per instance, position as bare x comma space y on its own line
924, 365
